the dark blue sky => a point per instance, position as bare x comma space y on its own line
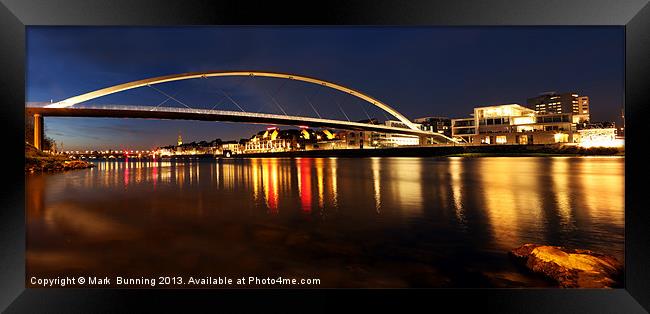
419, 71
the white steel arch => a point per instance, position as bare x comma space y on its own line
193, 75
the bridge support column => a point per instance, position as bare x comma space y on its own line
38, 131
425, 140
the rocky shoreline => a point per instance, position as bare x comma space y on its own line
571, 268
54, 164
38, 161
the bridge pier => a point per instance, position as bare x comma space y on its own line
38, 131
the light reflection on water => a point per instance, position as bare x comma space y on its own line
390, 222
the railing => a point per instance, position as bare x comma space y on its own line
298, 119
246, 114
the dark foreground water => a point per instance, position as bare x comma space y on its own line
350, 222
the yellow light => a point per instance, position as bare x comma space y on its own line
328, 134
588, 143
523, 120
561, 137
600, 138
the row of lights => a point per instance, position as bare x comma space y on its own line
109, 152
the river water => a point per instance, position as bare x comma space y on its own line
350, 222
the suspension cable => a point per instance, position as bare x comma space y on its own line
276, 93
340, 104
226, 96
207, 84
273, 98
170, 96
162, 103
232, 100
364, 110
346, 116
312, 107
385, 116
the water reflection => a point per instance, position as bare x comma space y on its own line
455, 171
307, 216
376, 183
304, 183
562, 190
270, 186
511, 192
602, 189
404, 184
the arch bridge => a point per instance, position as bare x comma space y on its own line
71, 107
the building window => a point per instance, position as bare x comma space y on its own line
501, 139
561, 137
523, 139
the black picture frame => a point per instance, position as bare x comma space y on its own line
634, 15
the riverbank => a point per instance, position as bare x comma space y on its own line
37, 161
452, 151
571, 268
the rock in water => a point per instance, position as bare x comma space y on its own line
571, 268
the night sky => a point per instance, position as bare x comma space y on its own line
420, 71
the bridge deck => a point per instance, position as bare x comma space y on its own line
169, 113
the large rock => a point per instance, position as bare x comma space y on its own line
571, 268
54, 163
77, 164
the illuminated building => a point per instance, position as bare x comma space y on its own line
358, 139
193, 148
554, 103
366, 139
232, 146
515, 124
400, 124
268, 141
392, 139
440, 125
600, 138
275, 140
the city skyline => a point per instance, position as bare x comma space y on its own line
425, 71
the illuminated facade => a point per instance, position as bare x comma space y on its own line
605, 137
515, 124
275, 140
232, 146
270, 141
365, 139
554, 103
393, 139
440, 125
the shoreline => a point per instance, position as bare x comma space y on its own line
54, 164
539, 150
37, 161
451, 151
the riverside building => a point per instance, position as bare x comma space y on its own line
555, 103
517, 124
440, 125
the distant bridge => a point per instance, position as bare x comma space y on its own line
65, 108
